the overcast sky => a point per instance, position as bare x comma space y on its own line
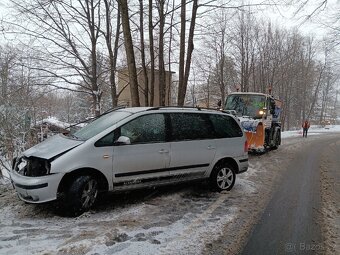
286, 16
283, 16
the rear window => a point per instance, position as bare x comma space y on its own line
225, 126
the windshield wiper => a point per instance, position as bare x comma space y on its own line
72, 136
94, 118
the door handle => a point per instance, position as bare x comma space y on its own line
211, 147
163, 151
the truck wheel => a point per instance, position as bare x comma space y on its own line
222, 177
277, 142
81, 195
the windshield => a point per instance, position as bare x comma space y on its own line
100, 124
245, 104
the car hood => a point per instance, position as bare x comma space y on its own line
52, 147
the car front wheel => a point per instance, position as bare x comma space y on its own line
222, 177
81, 195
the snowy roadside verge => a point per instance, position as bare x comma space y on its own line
314, 130
330, 200
170, 220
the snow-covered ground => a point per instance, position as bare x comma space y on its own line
162, 222
314, 130
180, 219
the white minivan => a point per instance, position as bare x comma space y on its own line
132, 148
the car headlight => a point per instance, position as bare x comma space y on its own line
32, 166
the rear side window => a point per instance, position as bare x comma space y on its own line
225, 126
190, 126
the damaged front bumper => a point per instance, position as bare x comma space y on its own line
32, 186
36, 189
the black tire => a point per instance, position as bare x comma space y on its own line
222, 177
277, 141
81, 195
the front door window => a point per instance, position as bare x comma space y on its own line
146, 129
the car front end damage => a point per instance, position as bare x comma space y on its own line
33, 181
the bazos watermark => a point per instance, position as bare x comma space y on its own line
294, 247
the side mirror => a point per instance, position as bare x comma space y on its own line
219, 103
123, 140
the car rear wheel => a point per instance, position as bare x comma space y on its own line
222, 177
81, 195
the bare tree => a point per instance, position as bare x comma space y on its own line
7, 58
180, 97
18, 108
130, 55
68, 32
184, 71
142, 49
152, 55
112, 49
244, 43
189, 51
184, 64
161, 66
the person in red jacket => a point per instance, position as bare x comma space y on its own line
305, 127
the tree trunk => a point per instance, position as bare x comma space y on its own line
130, 55
316, 91
4, 81
142, 49
190, 50
169, 56
222, 63
152, 57
94, 74
181, 92
161, 74
113, 53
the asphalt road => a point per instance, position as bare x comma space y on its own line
291, 223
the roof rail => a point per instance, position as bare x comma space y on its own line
185, 107
112, 109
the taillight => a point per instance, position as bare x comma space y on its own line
246, 146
